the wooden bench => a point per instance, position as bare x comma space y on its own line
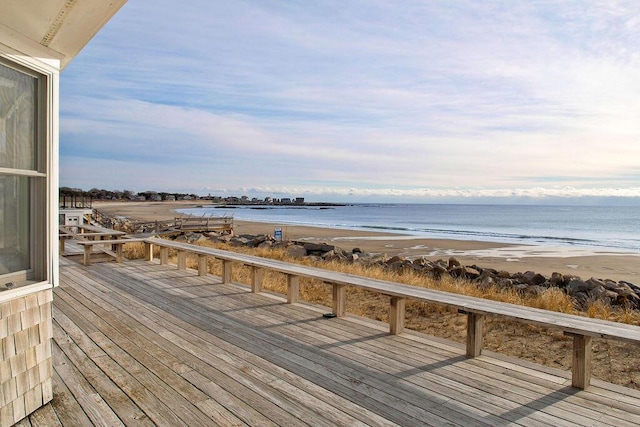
582, 329
115, 250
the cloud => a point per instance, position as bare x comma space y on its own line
366, 94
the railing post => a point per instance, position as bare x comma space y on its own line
119, 251
202, 265
581, 369
227, 269
164, 255
182, 260
339, 299
293, 288
396, 315
257, 275
475, 326
87, 254
148, 251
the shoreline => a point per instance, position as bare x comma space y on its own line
583, 262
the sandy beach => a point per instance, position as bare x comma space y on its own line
581, 262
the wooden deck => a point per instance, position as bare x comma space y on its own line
140, 343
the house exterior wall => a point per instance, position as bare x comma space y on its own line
25, 357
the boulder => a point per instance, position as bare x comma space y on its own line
453, 262
318, 248
296, 251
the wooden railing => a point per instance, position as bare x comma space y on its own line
200, 224
582, 329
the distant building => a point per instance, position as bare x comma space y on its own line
285, 201
299, 200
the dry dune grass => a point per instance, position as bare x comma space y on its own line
614, 361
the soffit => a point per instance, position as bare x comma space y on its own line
58, 26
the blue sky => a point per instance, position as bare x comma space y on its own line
376, 100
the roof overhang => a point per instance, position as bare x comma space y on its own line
53, 30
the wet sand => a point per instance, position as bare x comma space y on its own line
581, 262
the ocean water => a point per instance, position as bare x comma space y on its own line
576, 226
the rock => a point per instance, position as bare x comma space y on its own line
319, 248
265, 245
453, 262
239, 241
556, 280
576, 286
504, 275
258, 240
356, 251
296, 251
471, 273
395, 259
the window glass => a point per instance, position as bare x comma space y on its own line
17, 119
14, 224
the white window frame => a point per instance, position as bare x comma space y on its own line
43, 272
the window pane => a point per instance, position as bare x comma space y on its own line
17, 119
14, 224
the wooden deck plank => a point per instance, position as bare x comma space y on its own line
202, 340
310, 325
403, 353
164, 383
242, 370
158, 333
378, 360
149, 347
67, 408
161, 370
379, 389
260, 343
369, 352
45, 417
92, 403
121, 404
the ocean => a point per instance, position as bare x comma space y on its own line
613, 228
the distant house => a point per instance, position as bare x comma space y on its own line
37, 40
299, 200
171, 198
285, 201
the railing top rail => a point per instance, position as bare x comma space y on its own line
566, 322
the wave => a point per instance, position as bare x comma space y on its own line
541, 228
505, 237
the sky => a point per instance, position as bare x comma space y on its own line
376, 100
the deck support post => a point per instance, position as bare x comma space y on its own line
293, 288
339, 299
202, 265
581, 369
62, 244
164, 255
396, 315
148, 251
227, 268
257, 275
475, 326
182, 260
